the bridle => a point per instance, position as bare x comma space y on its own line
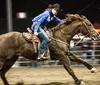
89, 33
87, 28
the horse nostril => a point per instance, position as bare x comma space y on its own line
98, 35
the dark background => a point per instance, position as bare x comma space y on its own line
89, 8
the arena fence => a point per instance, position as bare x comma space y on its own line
48, 63
88, 50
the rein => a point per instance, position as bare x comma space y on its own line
67, 43
84, 36
78, 36
86, 26
80, 40
58, 40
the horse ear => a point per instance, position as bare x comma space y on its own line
67, 15
84, 17
76, 15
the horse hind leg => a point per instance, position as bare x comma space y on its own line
6, 66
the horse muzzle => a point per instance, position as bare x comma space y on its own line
96, 37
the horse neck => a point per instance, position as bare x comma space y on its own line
67, 33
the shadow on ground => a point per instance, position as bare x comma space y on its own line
60, 83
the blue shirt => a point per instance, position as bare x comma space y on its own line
45, 17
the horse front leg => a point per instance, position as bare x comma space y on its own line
66, 63
2, 74
75, 58
4, 78
6, 66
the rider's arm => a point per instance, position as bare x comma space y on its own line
43, 16
57, 20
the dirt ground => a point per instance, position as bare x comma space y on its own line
51, 76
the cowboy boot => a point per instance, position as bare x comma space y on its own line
44, 56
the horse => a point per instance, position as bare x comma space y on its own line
13, 45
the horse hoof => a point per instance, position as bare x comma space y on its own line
93, 70
82, 83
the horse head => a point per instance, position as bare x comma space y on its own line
88, 29
82, 25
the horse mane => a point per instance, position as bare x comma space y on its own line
69, 18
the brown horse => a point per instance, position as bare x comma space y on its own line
13, 44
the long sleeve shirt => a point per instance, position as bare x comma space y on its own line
44, 18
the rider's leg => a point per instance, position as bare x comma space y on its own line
44, 43
45, 40
34, 27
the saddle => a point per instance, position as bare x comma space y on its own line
30, 37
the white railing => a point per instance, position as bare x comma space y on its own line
90, 55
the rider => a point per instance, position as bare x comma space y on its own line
40, 22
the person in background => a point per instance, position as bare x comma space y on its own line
39, 24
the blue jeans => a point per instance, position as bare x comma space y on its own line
43, 35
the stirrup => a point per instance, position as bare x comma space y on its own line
42, 57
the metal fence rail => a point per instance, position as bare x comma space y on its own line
48, 63
89, 51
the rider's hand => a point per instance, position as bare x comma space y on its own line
29, 30
36, 33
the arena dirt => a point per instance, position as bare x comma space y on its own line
50, 76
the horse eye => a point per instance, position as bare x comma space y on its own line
89, 24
